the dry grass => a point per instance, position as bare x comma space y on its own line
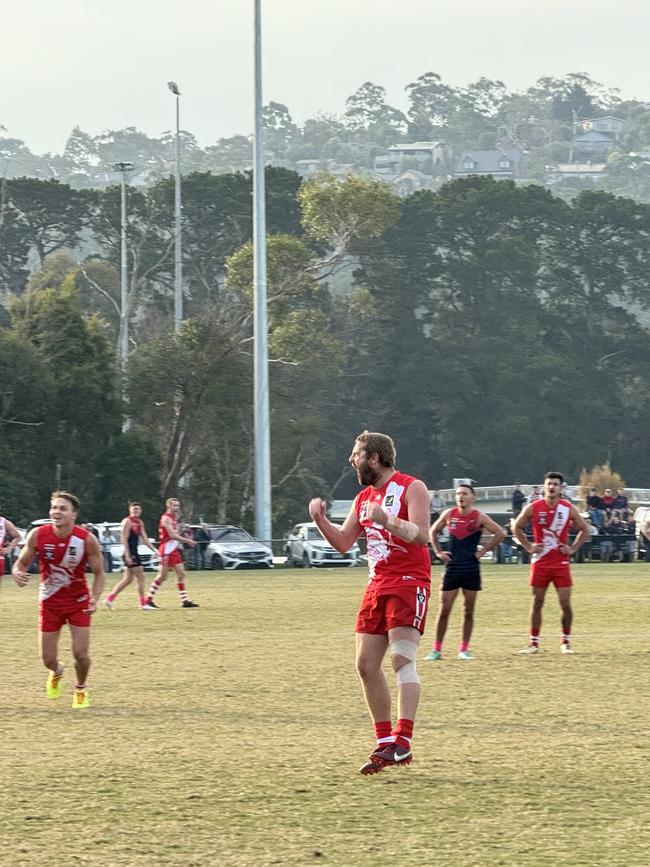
231, 735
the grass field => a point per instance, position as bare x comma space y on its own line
232, 735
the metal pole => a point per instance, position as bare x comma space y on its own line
262, 444
178, 264
124, 301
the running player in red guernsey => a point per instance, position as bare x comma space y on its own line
393, 511
551, 517
170, 555
466, 525
9, 538
132, 533
64, 550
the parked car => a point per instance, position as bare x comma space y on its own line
641, 519
306, 547
149, 560
233, 547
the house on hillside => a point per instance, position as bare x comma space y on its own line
424, 156
557, 173
497, 163
595, 137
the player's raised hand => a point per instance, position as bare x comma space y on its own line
317, 508
376, 514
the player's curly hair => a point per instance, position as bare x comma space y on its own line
380, 444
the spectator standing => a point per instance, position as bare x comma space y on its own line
106, 540
201, 537
518, 500
534, 495
606, 541
621, 504
436, 506
595, 507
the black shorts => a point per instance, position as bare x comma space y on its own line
135, 561
461, 579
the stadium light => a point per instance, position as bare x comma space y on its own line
262, 443
178, 262
124, 169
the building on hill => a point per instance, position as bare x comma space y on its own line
497, 163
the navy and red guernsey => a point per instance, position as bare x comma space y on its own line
465, 533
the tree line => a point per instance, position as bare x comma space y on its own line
493, 329
541, 120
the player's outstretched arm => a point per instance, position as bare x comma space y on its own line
96, 563
340, 538
22, 564
438, 526
498, 534
173, 534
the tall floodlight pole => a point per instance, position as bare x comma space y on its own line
262, 445
123, 169
178, 262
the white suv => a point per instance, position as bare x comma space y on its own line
306, 547
149, 560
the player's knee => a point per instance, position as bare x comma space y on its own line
402, 654
366, 668
80, 654
49, 659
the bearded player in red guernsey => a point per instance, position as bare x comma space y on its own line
393, 511
64, 550
170, 555
466, 526
551, 517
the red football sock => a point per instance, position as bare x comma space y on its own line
383, 733
534, 636
403, 732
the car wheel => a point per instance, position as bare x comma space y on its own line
289, 561
216, 562
305, 560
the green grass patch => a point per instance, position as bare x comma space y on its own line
232, 734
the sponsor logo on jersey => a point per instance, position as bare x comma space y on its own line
541, 518
49, 551
390, 499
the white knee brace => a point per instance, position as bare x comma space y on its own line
408, 649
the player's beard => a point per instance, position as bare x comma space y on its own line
366, 475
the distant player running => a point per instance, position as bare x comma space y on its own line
393, 510
170, 555
132, 534
466, 525
551, 517
64, 550
9, 538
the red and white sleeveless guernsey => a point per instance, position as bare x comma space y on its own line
391, 560
167, 544
550, 529
62, 564
3, 533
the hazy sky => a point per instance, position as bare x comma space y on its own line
104, 65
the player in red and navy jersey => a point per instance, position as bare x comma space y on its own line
393, 512
9, 538
551, 518
170, 555
64, 551
132, 534
466, 526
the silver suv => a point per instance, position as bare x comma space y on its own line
234, 548
306, 547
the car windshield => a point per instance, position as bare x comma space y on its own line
230, 534
110, 535
314, 533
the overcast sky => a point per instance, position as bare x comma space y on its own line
104, 65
